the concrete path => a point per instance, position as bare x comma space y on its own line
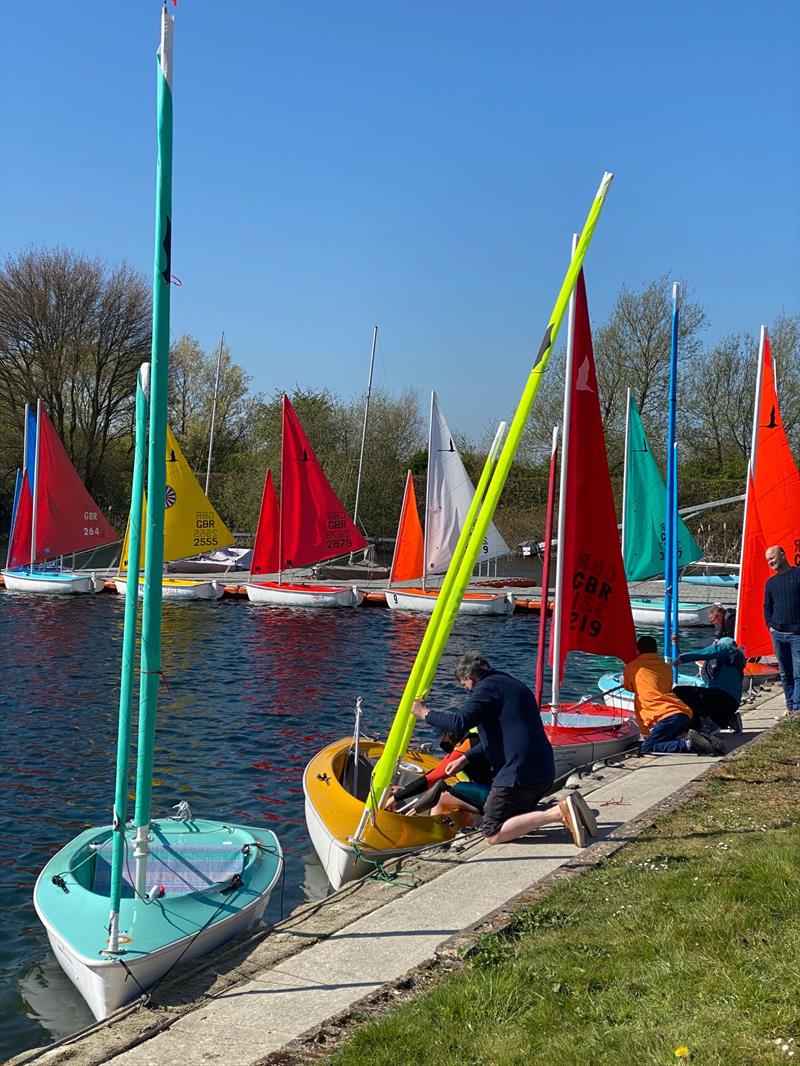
264, 1011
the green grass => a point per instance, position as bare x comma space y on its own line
687, 938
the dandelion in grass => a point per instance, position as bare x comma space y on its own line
682, 1052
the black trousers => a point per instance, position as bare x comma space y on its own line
705, 702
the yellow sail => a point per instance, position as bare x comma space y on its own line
191, 525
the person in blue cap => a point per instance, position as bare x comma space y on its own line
715, 703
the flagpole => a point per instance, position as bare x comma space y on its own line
364, 430
214, 410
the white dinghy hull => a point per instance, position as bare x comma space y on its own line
173, 589
647, 612
473, 603
276, 595
56, 584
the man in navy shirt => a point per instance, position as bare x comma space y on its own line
782, 615
514, 741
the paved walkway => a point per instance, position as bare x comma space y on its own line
266, 1010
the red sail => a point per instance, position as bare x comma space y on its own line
20, 551
773, 514
407, 563
596, 615
265, 549
314, 524
67, 518
751, 629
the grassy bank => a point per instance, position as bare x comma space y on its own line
683, 946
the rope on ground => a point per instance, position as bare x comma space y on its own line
380, 873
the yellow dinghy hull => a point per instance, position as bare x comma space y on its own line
333, 813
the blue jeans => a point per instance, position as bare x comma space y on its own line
663, 737
787, 652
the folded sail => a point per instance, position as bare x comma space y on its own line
772, 514
596, 615
407, 562
314, 523
449, 496
645, 510
266, 558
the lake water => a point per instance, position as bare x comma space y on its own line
253, 693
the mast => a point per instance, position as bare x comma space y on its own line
214, 410
428, 480
283, 487
18, 485
548, 538
558, 604
671, 636
625, 468
120, 811
156, 457
751, 466
364, 428
35, 492
470, 541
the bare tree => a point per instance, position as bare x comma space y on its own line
73, 333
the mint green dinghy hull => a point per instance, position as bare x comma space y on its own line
206, 882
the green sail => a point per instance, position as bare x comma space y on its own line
644, 510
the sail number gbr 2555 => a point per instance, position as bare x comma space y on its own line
205, 530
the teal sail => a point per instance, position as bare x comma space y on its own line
643, 525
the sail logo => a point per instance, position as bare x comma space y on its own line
170, 496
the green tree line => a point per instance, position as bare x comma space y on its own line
74, 330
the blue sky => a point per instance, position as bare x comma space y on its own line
416, 165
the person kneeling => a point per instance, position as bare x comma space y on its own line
664, 720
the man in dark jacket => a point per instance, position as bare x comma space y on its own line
782, 615
514, 741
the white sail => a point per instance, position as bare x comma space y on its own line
449, 495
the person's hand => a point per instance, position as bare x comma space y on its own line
676, 662
419, 710
454, 766
390, 803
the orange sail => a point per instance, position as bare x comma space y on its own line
772, 509
407, 563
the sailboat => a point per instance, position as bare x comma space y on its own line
345, 784
591, 604
772, 507
190, 522
308, 525
122, 904
54, 516
367, 568
644, 528
449, 495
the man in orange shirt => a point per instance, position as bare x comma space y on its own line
663, 719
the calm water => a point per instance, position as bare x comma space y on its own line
253, 693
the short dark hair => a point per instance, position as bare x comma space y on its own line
646, 644
471, 665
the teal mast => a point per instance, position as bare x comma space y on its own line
128, 660
156, 464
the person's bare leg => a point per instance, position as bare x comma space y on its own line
521, 824
447, 799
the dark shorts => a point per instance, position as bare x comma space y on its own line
505, 803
